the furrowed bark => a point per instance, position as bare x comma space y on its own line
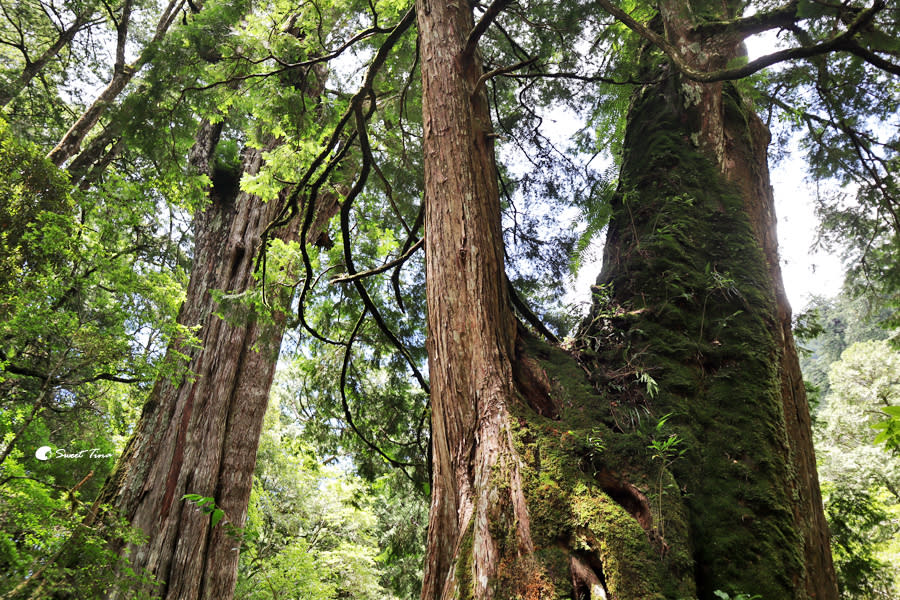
199, 434
496, 415
550, 483
471, 326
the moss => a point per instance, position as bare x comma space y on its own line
685, 300
570, 511
465, 584
683, 252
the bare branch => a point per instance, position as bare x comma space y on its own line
500, 71
781, 17
385, 267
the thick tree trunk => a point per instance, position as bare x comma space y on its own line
198, 433
691, 295
514, 511
472, 331
552, 484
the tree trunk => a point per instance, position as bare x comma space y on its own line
691, 295
472, 331
198, 434
550, 483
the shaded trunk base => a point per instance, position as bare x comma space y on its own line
563, 520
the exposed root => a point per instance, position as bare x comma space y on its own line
587, 578
628, 497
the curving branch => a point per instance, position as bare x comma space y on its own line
289, 66
413, 237
500, 71
481, 27
836, 42
781, 17
291, 207
345, 405
385, 267
348, 253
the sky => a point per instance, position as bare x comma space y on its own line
806, 271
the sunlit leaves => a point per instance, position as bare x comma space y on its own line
312, 530
860, 475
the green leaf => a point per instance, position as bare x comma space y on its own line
217, 516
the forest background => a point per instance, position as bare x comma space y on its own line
141, 139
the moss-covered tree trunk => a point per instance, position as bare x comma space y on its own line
691, 299
664, 455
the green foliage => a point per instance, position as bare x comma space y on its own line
207, 506
860, 525
859, 476
842, 106
829, 326
317, 532
665, 449
726, 596
889, 428
86, 299
45, 548
90, 278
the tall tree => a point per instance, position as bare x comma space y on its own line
548, 483
198, 434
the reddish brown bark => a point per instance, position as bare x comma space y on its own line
471, 326
199, 434
539, 490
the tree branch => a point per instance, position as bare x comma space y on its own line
529, 316
487, 18
854, 47
345, 405
836, 42
385, 267
500, 71
395, 276
781, 17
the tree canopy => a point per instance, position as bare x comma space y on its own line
127, 123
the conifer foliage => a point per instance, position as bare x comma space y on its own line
372, 191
